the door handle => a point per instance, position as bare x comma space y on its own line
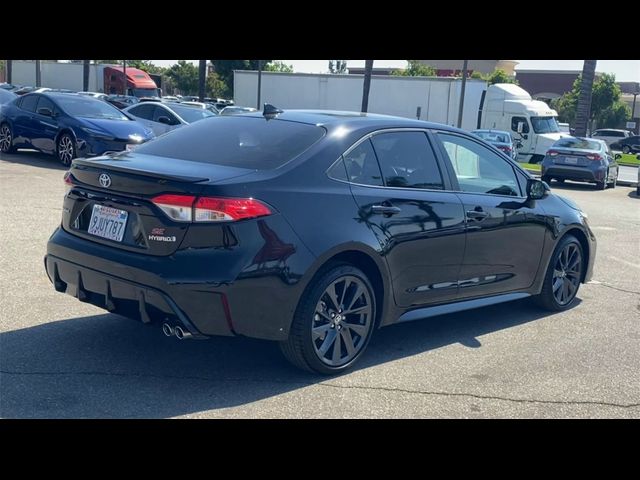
477, 215
386, 210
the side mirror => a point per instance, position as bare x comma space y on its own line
536, 189
165, 120
617, 156
45, 111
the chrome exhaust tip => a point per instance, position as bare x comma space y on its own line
181, 334
168, 330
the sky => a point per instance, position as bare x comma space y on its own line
625, 70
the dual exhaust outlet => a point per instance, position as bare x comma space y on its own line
177, 331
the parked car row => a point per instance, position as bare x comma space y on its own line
67, 125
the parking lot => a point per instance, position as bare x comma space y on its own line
61, 358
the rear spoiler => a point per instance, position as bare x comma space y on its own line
84, 164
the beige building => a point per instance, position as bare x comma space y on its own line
449, 67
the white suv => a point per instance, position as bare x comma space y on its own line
610, 135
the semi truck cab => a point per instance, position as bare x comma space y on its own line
138, 83
509, 107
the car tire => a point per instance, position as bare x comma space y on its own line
65, 149
602, 185
6, 139
626, 149
562, 271
560, 180
317, 341
546, 179
614, 183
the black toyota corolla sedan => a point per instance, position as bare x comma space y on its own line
312, 229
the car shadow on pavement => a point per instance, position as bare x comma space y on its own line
106, 366
33, 159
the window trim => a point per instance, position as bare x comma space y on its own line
452, 171
444, 172
526, 122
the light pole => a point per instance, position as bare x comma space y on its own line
462, 89
368, 68
124, 72
38, 76
259, 82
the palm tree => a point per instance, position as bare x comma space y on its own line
368, 67
583, 109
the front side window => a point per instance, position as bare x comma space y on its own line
478, 169
407, 160
516, 120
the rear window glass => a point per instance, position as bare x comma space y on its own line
244, 142
578, 143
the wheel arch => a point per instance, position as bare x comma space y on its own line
366, 259
584, 243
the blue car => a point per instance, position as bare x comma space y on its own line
67, 125
581, 159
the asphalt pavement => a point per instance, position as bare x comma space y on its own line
60, 358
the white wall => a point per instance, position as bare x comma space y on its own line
400, 96
56, 75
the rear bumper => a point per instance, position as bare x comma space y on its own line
117, 295
208, 291
575, 173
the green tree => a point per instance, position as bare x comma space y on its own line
225, 68
499, 76
606, 107
215, 87
184, 76
278, 67
337, 66
477, 75
415, 69
145, 65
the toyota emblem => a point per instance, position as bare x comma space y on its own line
105, 180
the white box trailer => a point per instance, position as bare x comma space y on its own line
436, 99
58, 75
428, 98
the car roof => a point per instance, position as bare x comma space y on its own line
336, 118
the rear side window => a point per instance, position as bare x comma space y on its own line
143, 111
244, 142
407, 160
29, 103
362, 166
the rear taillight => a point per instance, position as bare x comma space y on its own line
594, 156
188, 208
176, 207
505, 149
68, 181
211, 209
552, 153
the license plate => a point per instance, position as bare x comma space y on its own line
107, 222
571, 160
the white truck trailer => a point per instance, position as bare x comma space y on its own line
436, 99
